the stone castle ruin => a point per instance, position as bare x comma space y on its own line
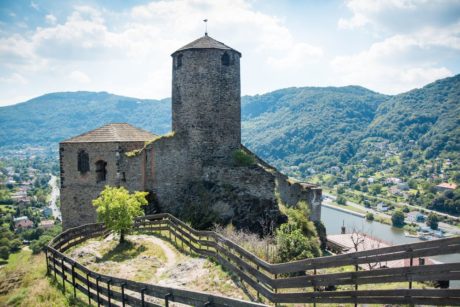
193, 169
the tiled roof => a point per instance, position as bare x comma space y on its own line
206, 42
116, 132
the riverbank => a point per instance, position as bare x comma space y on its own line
333, 207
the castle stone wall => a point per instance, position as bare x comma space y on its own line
78, 190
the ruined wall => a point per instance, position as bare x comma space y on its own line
291, 191
79, 189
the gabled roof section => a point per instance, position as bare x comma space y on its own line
115, 132
206, 42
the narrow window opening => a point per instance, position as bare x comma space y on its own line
83, 162
225, 59
123, 177
179, 61
101, 171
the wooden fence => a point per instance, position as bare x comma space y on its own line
301, 281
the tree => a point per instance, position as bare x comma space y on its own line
4, 252
341, 200
117, 208
39, 245
432, 221
369, 216
397, 219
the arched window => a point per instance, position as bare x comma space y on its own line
179, 61
101, 171
225, 59
83, 162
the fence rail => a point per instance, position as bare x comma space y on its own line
293, 282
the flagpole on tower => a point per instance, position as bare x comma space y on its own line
205, 27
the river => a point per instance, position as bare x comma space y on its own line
333, 220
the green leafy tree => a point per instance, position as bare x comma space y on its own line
39, 245
341, 200
294, 245
432, 221
117, 208
397, 219
298, 238
369, 216
4, 252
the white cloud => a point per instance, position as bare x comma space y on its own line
50, 19
79, 77
296, 57
141, 44
389, 67
400, 15
14, 79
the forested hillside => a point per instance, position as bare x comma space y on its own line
300, 130
57, 116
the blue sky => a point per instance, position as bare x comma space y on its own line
124, 47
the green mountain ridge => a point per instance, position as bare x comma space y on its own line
300, 130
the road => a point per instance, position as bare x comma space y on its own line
444, 226
54, 197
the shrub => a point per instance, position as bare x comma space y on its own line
4, 252
369, 216
321, 230
294, 245
341, 200
242, 158
39, 245
397, 219
432, 221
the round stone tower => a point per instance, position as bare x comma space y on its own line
206, 100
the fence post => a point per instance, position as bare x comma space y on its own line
142, 296
87, 286
97, 290
410, 265
63, 275
108, 291
123, 294
47, 262
73, 280
54, 266
167, 296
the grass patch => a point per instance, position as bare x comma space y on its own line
123, 251
242, 158
23, 282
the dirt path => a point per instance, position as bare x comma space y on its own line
171, 257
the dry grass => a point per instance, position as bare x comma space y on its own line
264, 248
23, 282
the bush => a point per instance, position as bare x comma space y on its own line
321, 230
242, 158
369, 216
294, 245
39, 245
15, 245
432, 221
397, 219
297, 239
341, 200
4, 252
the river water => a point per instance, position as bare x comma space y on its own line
333, 220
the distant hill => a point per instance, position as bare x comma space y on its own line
54, 117
430, 116
297, 129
